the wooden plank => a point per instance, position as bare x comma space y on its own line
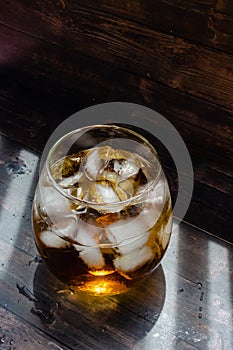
174, 62
204, 22
217, 223
18, 166
214, 270
15, 220
196, 313
209, 209
18, 179
15, 333
44, 71
205, 126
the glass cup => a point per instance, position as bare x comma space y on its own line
102, 213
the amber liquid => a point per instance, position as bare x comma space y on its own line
121, 266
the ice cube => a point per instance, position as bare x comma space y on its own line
92, 257
122, 230
125, 229
108, 175
103, 193
88, 236
132, 180
125, 189
55, 204
128, 169
156, 199
133, 243
66, 227
51, 240
71, 180
93, 165
130, 262
106, 193
80, 193
149, 216
159, 193
116, 165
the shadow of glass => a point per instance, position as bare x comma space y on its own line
114, 322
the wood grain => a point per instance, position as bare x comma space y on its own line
206, 22
134, 319
50, 97
168, 60
18, 334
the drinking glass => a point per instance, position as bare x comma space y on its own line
102, 213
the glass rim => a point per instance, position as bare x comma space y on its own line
103, 204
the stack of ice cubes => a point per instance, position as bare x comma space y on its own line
102, 186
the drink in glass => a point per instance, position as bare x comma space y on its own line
102, 211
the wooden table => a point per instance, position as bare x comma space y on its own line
185, 304
175, 57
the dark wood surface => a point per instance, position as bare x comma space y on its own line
176, 57
186, 304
